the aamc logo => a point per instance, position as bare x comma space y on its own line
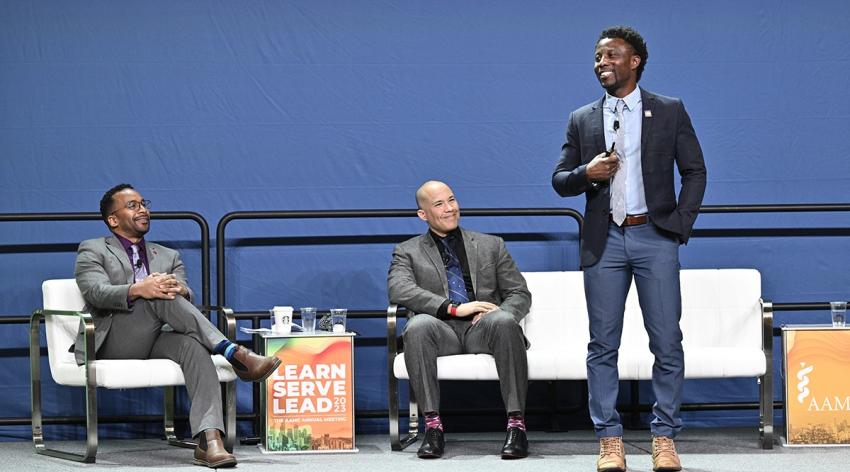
834, 403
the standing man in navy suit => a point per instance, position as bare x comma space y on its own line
620, 151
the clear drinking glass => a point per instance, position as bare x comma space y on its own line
338, 319
308, 319
839, 314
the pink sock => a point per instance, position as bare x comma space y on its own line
516, 422
432, 420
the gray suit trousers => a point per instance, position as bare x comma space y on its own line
138, 334
497, 333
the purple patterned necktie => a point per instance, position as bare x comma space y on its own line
139, 270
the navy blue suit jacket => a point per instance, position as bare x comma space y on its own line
667, 137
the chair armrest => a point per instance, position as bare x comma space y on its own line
767, 325
88, 337
392, 335
392, 328
88, 331
229, 323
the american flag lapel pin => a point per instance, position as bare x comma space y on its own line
647, 113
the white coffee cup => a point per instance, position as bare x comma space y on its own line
282, 319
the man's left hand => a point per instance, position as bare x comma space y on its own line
478, 317
172, 285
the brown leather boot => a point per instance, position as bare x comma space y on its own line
664, 457
210, 451
252, 367
612, 455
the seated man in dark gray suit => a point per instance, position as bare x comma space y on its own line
132, 288
468, 297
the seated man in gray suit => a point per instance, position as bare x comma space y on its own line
132, 288
468, 297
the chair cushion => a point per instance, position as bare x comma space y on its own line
135, 373
569, 364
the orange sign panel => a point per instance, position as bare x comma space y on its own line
309, 401
817, 385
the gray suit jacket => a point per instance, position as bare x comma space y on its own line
417, 276
667, 138
104, 275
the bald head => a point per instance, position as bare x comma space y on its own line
437, 207
425, 190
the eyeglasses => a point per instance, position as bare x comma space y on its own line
133, 205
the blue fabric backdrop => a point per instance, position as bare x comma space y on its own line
220, 106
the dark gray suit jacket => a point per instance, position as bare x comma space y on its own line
667, 137
417, 276
104, 275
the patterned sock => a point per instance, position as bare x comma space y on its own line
432, 420
516, 420
226, 349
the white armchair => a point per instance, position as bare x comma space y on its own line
62, 304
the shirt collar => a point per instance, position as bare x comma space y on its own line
126, 243
453, 234
632, 100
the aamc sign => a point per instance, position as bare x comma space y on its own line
817, 387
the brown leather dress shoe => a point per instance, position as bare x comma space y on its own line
664, 457
210, 451
612, 455
252, 367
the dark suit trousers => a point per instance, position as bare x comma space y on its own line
138, 335
497, 333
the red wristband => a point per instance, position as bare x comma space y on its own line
452, 309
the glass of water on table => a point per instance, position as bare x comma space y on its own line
839, 314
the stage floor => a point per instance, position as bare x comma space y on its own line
702, 450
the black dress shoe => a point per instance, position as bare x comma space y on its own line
433, 444
516, 444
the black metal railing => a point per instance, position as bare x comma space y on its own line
158, 215
221, 269
778, 232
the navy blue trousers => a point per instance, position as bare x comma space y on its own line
651, 257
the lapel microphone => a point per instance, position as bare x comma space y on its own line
139, 264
